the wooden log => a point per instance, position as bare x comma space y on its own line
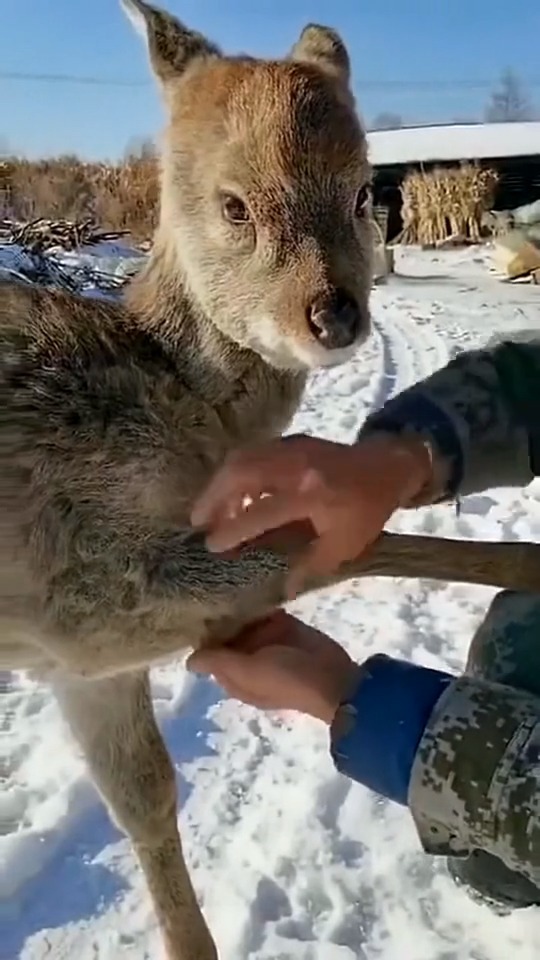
515, 254
511, 566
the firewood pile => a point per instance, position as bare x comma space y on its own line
40, 236
45, 252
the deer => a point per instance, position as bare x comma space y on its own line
115, 414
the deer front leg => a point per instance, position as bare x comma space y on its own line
114, 723
119, 612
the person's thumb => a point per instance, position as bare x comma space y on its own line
317, 564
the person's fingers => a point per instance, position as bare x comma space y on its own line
278, 629
273, 630
260, 701
281, 632
287, 540
265, 469
213, 661
235, 673
245, 473
239, 692
312, 482
321, 559
226, 492
235, 665
263, 515
218, 502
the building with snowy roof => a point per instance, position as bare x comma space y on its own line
512, 149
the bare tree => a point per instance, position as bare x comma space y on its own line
510, 102
387, 121
5, 178
140, 148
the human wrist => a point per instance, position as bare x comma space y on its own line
415, 414
414, 463
410, 463
335, 688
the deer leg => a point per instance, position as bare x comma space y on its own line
113, 721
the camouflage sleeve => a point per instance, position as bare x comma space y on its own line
480, 414
463, 753
475, 780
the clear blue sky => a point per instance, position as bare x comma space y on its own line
405, 40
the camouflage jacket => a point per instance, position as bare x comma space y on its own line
480, 413
463, 753
475, 780
467, 760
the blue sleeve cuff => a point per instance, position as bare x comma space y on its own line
414, 412
375, 735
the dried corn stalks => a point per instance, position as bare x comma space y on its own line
446, 204
120, 197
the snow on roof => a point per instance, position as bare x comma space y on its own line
455, 142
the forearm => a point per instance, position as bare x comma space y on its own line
480, 414
463, 754
475, 781
376, 733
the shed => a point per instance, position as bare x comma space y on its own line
512, 149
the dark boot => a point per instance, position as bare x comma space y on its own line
488, 879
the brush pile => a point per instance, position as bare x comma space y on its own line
446, 205
41, 236
72, 255
121, 196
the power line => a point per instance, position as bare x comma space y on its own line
71, 78
441, 84
364, 83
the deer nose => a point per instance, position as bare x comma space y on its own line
335, 320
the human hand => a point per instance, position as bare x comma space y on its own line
347, 493
281, 663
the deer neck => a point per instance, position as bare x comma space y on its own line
212, 366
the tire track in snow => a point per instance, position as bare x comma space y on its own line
350, 388
410, 352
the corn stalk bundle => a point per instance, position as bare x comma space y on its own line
446, 204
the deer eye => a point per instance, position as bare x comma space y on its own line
233, 209
363, 199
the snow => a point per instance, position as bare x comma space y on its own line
290, 860
466, 141
87, 267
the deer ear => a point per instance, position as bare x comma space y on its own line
323, 47
171, 46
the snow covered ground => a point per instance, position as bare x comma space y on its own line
289, 859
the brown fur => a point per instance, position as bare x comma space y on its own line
113, 416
